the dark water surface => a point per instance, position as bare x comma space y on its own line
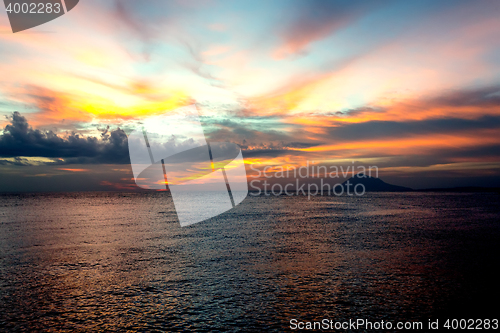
114, 261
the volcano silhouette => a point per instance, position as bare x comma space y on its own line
373, 184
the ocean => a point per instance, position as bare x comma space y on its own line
92, 261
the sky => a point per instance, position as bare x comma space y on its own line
412, 87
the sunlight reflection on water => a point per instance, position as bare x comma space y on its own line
89, 261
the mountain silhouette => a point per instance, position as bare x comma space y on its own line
373, 184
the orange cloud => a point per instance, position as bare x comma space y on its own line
418, 144
55, 106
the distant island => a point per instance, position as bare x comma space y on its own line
373, 184
356, 185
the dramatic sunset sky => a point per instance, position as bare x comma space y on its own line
410, 86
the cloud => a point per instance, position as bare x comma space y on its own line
20, 139
73, 170
34, 178
372, 130
315, 20
56, 107
125, 15
256, 133
28, 161
272, 153
484, 96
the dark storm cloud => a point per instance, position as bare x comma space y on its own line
19, 139
436, 156
260, 132
257, 136
486, 96
271, 153
386, 129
